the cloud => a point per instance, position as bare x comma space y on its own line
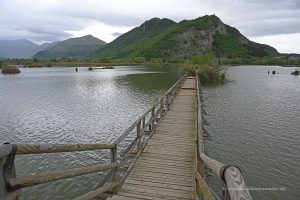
285, 43
51, 20
103, 31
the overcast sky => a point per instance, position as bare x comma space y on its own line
273, 22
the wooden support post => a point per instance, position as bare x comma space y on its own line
114, 171
138, 135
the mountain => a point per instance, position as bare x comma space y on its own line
130, 41
74, 47
19, 48
163, 38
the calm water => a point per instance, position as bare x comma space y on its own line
58, 105
255, 124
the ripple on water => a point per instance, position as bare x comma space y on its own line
254, 123
57, 105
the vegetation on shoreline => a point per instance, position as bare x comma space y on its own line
208, 69
283, 60
211, 69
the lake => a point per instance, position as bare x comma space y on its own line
254, 122
58, 105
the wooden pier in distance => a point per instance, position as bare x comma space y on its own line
161, 154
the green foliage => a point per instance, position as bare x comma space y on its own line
207, 67
226, 45
105, 60
203, 59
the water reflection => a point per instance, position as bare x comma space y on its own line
58, 105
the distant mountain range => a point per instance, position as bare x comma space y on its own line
74, 47
19, 48
155, 38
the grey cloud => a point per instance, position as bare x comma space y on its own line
49, 20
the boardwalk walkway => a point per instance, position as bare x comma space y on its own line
166, 168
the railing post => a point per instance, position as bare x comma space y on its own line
114, 171
7, 170
138, 135
168, 101
161, 107
151, 126
144, 122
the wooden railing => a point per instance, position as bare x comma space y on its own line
143, 129
234, 184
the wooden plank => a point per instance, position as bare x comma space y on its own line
134, 195
141, 170
163, 193
160, 185
161, 176
166, 163
158, 179
163, 181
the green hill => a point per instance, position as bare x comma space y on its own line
71, 48
165, 39
127, 43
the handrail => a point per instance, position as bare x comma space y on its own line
10, 185
235, 187
55, 148
27, 181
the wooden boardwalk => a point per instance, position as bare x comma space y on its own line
166, 168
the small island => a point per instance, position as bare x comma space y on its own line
10, 69
295, 73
